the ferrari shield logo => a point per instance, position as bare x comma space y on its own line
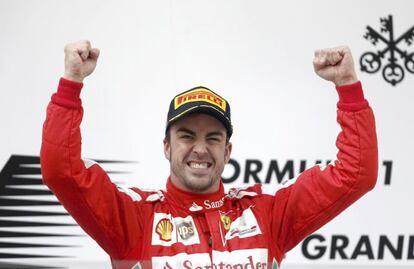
226, 221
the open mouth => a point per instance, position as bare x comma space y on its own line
199, 165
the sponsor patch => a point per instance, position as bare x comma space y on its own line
243, 259
164, 229
185, 230
244, 226
182, 260
168, 230
200, 94
195, 207
226, 221
213, 204
160, 234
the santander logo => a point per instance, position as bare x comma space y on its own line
246, 263
207, 204
214, 204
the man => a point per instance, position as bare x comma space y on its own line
194, 224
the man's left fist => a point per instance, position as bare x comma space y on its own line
336, 65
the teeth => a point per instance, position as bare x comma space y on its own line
198, 165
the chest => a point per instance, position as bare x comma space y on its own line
231, 237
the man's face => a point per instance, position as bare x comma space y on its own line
197, 151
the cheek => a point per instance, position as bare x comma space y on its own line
177, 152
167, 153
220, 155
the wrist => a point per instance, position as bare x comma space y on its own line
68, 93
348, 80
351, 97
73, 77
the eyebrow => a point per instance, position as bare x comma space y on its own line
185, 130
215, 133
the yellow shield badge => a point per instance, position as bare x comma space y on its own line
226, 221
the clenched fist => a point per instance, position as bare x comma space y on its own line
336, 65
80, 60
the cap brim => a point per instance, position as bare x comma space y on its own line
204, 109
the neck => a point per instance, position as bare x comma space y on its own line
195, 202
178, 183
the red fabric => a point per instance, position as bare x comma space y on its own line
124, 224
188, 198
68, 94
351, 97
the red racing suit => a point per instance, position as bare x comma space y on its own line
245, 228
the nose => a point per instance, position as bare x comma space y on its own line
200, 148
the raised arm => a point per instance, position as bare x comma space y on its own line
110, 216
320, 193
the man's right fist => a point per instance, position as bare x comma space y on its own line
80, 60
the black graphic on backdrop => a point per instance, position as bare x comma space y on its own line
275, 171
400, 248
21, 177
391, 52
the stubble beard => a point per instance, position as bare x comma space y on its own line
194, 185
198, 187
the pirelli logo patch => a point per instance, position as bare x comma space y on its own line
197, 95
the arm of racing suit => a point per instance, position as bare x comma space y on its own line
319, 194
109, 216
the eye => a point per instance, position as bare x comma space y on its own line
215, 139
186, 137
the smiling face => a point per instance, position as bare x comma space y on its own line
197, 150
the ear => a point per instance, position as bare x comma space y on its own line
227, 152
167, 149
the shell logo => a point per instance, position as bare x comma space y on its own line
164, 229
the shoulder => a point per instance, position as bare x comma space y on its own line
140, 194
258, 190
251, 191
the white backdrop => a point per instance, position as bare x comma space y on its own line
257, 54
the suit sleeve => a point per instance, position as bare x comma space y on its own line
108, 215
321, 193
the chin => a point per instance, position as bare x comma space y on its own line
198, 185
